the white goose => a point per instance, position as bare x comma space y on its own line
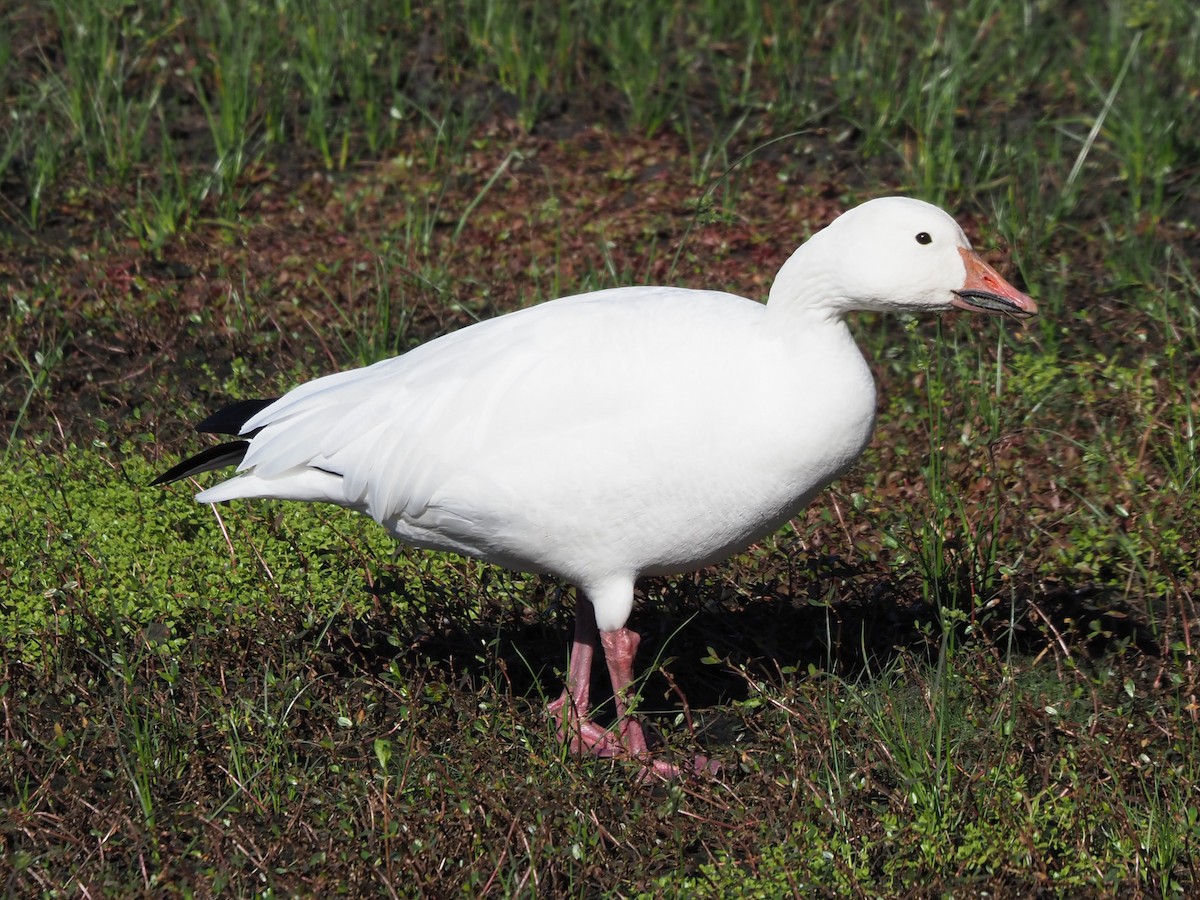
615, 434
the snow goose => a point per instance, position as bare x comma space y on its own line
610, 435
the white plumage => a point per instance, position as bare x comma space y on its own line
626, 432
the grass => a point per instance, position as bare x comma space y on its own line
969, 667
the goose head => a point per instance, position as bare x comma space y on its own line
895, 254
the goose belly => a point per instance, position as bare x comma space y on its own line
673, 494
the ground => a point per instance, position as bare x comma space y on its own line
968, 667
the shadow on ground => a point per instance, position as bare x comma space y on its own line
703, 642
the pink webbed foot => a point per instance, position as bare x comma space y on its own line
571, 710
583, 736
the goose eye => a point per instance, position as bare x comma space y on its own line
924, 238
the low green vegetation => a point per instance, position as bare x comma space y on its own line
968, 668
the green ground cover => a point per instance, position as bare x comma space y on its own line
968, 668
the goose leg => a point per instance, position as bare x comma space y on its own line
620, 648
572, 708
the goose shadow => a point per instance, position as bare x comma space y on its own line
705, 638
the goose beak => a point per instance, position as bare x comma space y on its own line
986, 291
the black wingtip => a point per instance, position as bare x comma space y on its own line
217, 457
227, 420
230, 419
